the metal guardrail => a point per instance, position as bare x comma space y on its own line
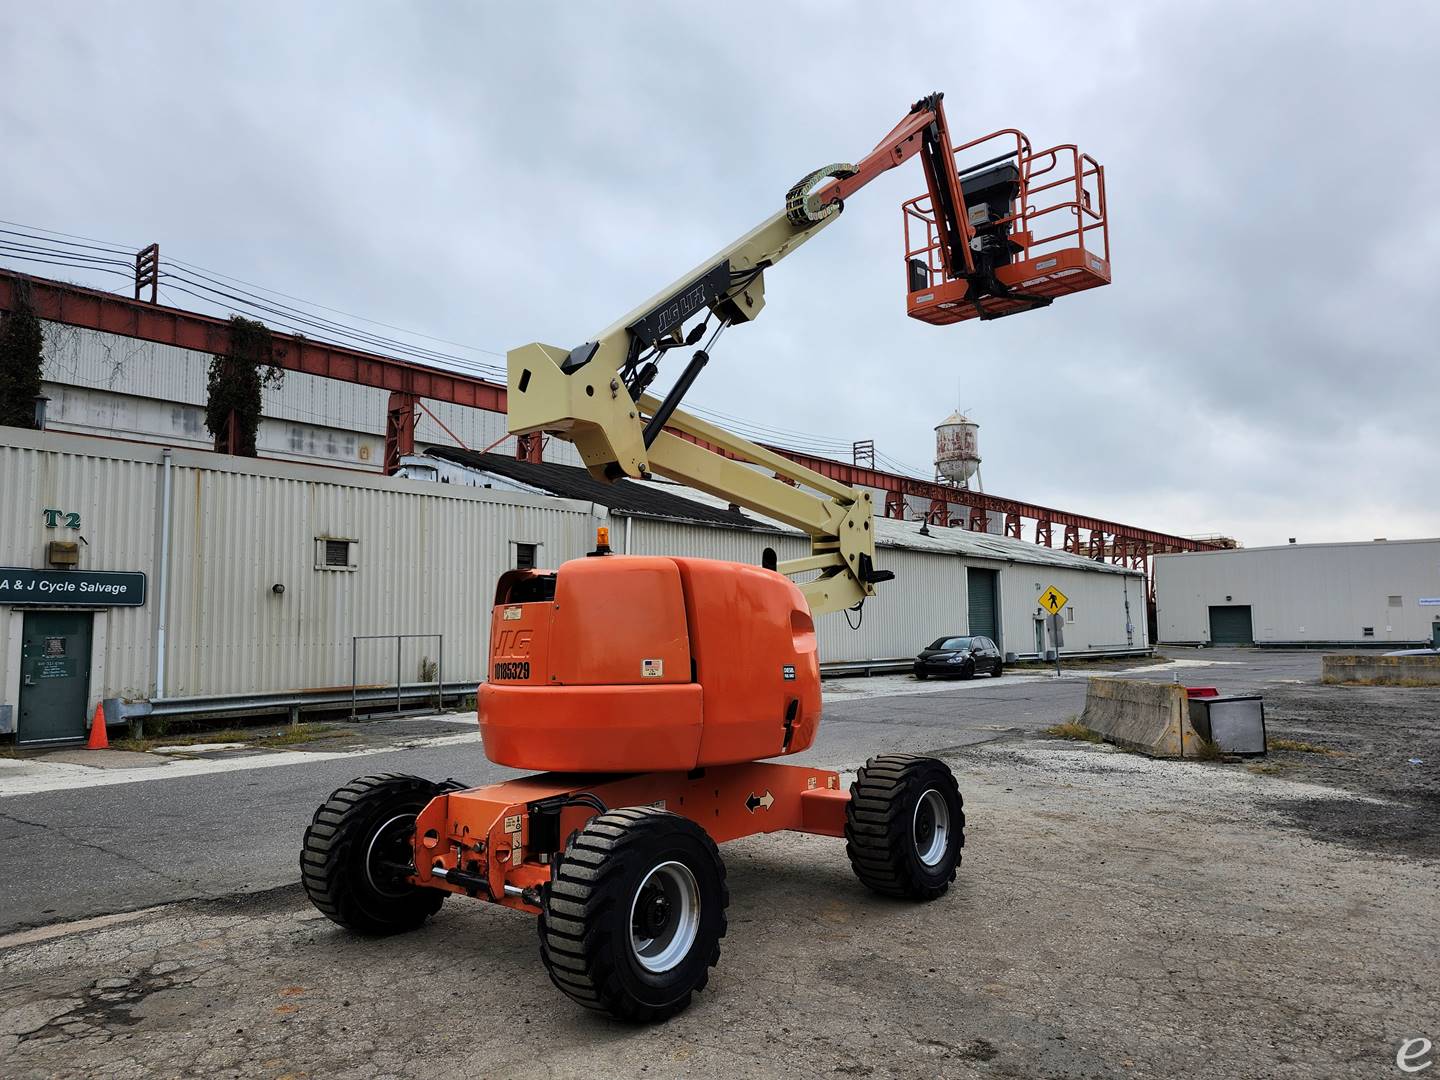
400, 640
283, 700
134, 713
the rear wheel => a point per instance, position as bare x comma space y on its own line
358, 850
905, 826
999, 670
632, 921
922, 675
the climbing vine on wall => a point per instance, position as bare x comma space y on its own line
237, 379
21, 339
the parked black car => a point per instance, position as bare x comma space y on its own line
965, 657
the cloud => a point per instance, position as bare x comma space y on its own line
1263, 364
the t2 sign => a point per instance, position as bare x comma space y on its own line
54, 518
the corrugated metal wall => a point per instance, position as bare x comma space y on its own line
1305, 592
116, 501
427, 562
1105, 610
427, 559
928, 596
649, 536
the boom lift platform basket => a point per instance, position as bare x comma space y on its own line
1036, 229
652, 693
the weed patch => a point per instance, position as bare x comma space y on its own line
1073, 729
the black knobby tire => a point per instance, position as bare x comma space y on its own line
595, 914
355, 836
892, 849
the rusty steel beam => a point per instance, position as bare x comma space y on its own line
399, 429
95, 310
987, 504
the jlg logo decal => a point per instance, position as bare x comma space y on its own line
514, 647
513, 643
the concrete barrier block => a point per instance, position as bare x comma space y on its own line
1153, 718
1381, 670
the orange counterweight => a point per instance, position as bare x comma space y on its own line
631, 663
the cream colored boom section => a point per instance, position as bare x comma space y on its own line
591, 407
836, 516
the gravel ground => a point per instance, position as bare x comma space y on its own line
1382, 742
1114, 917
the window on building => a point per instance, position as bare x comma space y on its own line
185, 420
1070, 614
334, 553
527, 556
1396, 601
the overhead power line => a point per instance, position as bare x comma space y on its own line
232, 295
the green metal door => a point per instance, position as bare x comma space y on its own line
984, 605
1230, 625
54, 677
1435, 636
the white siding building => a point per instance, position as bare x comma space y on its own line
1384, 592
256, 580
947, 580
253, 578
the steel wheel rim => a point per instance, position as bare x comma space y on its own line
379, 851
930, 827
664, 917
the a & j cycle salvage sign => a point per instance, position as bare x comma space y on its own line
72, 588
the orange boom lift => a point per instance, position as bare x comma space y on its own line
649, 693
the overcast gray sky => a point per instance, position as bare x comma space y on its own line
1262, 366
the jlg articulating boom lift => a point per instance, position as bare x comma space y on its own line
649, 691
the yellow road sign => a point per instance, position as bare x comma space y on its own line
1052, 600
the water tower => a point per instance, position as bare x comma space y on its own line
957, 450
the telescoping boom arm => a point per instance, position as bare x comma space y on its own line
595, 395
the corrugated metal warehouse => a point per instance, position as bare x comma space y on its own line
1384, 592
258, 574
947, 581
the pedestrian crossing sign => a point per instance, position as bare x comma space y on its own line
1052, 600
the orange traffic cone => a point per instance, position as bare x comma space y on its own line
98, 739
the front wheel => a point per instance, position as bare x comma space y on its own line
356, 856
632, 921
922, 675
999, 670
905, 826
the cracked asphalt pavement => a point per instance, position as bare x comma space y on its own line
1114, 917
